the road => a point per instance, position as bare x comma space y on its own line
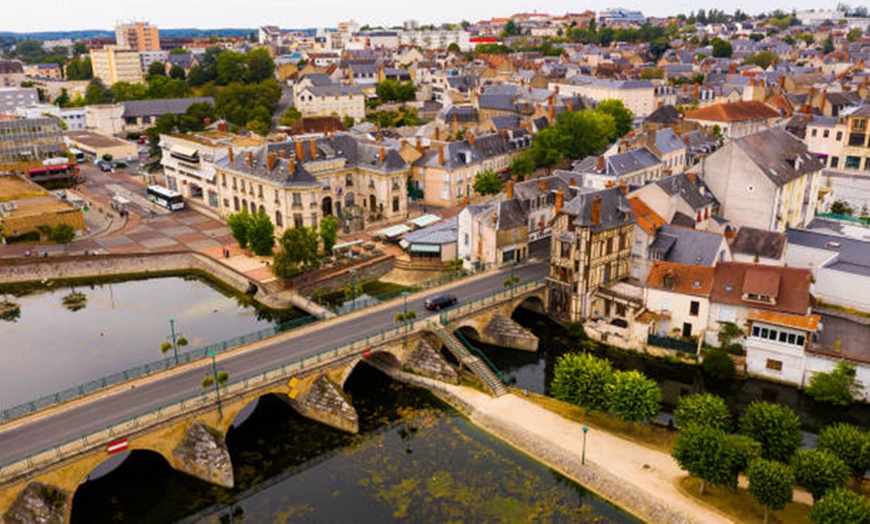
20, 441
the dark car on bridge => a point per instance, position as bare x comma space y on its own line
437, 302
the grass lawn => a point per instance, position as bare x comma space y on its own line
655, 437
740, 506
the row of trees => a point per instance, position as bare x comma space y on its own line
299, 247
766, 449
592, 383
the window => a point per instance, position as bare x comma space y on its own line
666, 304
835, 161
756, 331
236, 203
774, 365
783, 336
297, 220
813, 133
771, 335
279, 220
857, 139
764, 332
564, 249
297, 199
694, 308
792, 338
800, 340
839, 136
395, 204
826, 133
853, 162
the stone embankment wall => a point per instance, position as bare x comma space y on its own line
49, 268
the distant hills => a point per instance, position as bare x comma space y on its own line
101, 33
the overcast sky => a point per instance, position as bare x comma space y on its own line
55, 15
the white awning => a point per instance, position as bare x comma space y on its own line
425, 248
392, 232
184, 152
339, 247
425, 220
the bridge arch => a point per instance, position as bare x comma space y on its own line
531, 302
110, 464
469, 330
381, 357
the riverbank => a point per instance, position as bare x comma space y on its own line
638, 479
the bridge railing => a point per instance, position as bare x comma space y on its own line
92, 386
128, 426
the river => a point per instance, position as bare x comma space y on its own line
415, 460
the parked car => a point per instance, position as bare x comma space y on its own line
438, 302
105, 167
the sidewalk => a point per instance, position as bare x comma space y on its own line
641, 480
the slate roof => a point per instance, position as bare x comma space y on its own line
436, 234
461, 113
759, 242
184, 60
174, 106
694, 193
629, 161
686, 246
462, 153
664, 115
615, 210
666, 141
509, 214
335, 90
781, 156
850, 255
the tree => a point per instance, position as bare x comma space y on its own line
290, 117
841, 505
728, 332
96, 92
522, 166
837, 387
487, 182
259, 66
711, 455
841, 207
762, 59
177, 72
633, 397
394, 91
722, 48
230, 68
298, 253
818, 470
261, 234
850, 444
62, 234
770, 484
328, 232
79, 69
454, 48
854, 34
652, 73
622, 116
703, 409
583, 380
240, 226
775, 426
718, 364
157, 68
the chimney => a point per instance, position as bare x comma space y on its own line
556, 88
781, 81
382, 154
732, 68
623, 188
313, 149
441, 156
542, 183
695, 90
250, 158
494, 218
419, 144
570, 104
282, 153
232, 154
601, 163
572, 182
595, 212
299, 152
752, 81
822, 100
291, 165
509, 188
788, 112
471, 139
685, 88
560, 199
551, 113
270, 161
437, 133
692, 177
686, 140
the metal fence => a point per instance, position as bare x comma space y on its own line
149, 368
205, 400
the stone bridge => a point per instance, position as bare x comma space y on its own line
190, 434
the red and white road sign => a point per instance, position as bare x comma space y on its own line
367, 353
117, 446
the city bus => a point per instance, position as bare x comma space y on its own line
167, 198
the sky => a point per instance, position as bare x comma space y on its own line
60, 15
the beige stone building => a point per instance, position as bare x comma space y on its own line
114, 64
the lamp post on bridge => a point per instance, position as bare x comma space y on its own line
215, 379
174, 341
583, 456
352, 273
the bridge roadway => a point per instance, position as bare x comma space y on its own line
40, 433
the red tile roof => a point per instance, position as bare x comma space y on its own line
647, 219
734, 112
687, 279
804, 322
733, 279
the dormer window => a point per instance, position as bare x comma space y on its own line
757, 297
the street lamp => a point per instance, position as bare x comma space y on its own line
352, 289
174, 341
405, 313
217, 388
583, 456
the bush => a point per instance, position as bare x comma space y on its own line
718, 364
